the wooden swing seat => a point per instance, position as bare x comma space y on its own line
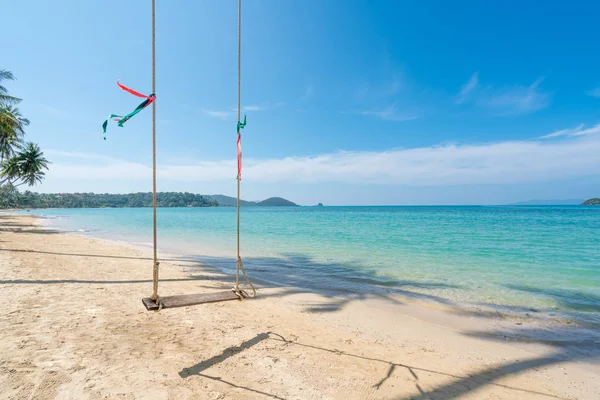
191, 299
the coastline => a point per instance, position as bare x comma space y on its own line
75, 328
327, 278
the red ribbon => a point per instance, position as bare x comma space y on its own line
133, 92
239, 156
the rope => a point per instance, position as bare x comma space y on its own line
240, 264
155, 296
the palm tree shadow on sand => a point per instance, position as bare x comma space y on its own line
458, 386
347, 289
339, 284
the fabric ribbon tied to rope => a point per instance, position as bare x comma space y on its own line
240, 125
122, 119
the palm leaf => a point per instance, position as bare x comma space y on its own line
5, 99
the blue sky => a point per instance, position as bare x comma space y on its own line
348, 102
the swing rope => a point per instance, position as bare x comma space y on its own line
155, 296
240, 265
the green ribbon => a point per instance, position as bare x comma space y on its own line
105, 124
241, 125
139, 108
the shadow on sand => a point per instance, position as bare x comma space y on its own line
459, 385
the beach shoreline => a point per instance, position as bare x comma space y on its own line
287, 343
534, 264
549, 323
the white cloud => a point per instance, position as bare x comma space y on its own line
390, 113
394, 86
577, 131
467, 88
494, 163
308, 92
257, 107
505, 100
377, 91
516, 100
594, 92
252, 108
232, 112
216, 114
392, 99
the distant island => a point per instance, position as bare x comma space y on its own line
27, 199
227, 201
276, 202
552, 202
592, 202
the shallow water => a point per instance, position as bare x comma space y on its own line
543, 260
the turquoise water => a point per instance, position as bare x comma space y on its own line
518, 259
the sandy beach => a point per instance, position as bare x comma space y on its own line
73, 327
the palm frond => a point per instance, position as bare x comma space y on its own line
5, 99
6, 75
10, 168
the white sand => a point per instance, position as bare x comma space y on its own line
73, 327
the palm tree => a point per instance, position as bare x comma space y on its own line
11, 122
5, 99
12, 130
25, 167
32, 163
19, 164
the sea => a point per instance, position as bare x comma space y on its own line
516, 260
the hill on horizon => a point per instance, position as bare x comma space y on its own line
595, 201
228, 201
276, 202
551, 202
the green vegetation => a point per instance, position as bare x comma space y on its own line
592, 202
276, 202
226, 201
20, 163
13, 199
